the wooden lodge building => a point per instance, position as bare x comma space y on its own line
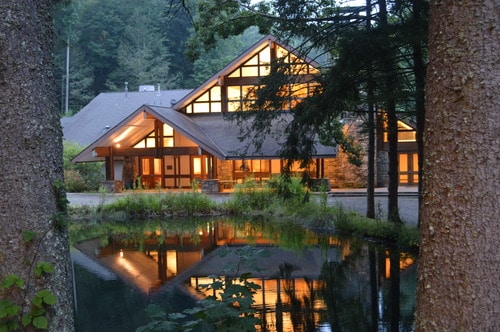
171, 138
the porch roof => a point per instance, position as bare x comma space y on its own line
215, 133
110, 108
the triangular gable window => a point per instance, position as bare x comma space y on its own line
405, 132
150, 140
235, 91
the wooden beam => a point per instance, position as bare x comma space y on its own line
105, 152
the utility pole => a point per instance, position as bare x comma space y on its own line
67, 79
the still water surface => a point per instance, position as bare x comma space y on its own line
308, 282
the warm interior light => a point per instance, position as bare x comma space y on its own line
123, 135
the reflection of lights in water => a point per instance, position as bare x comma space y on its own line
128, 266
121, 253
324, 328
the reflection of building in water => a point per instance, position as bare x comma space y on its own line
315, 291
320, 283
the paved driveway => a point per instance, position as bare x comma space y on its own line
408, 206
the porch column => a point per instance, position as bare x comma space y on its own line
110, 165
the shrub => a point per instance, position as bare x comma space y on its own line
147, 205
74, 182
81, 176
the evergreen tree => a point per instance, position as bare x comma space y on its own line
142, 55
380, 58
115, 41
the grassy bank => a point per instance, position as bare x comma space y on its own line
248, 200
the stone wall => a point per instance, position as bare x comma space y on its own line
342, 173
224, 169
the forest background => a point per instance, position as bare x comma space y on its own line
139, 42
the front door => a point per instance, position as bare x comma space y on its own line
151, 172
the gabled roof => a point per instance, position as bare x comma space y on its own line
218, 127
113, 119
249, 53
107, 110
214, 133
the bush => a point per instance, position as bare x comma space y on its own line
74, 181
152, 205
81, 176
272, 197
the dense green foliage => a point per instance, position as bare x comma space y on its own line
80, 177
161, 205
28, 313
142, 43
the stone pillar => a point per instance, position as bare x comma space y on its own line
210, 186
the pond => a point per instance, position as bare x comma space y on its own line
308, 281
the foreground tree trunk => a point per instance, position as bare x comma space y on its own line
33, 236
459, 255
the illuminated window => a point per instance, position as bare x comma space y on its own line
252, 166
298, 67
236, 90
197, 166
296, 167
210, 101
258, 65
157, 166
261, 166
150, 140
240, 97
408, 168
405, 132
145, 166
167, 130
201, 107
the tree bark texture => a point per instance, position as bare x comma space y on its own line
459, 266
31, 160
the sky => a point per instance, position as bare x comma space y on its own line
352, 2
